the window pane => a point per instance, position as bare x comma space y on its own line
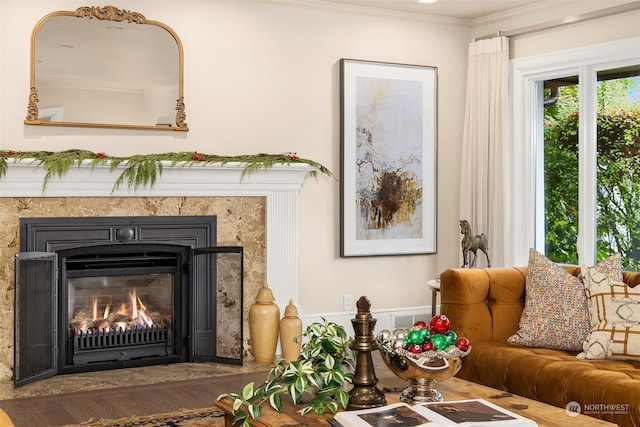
561, 169
618, 182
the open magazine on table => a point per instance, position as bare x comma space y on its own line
463, 413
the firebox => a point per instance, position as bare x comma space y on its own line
122, 303
113, 292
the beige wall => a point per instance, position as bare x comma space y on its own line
263, 76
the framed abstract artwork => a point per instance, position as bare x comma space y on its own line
388, 158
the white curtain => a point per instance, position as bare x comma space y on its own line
482, 185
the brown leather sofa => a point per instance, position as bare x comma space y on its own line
485, 305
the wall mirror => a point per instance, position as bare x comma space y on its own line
108, 68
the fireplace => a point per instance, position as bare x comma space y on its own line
98, 293
256, 210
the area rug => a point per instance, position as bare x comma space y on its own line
204, 417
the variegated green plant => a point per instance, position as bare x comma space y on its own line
322, 371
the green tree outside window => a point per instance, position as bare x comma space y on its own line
618, 175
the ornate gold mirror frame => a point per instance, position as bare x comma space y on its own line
102, 59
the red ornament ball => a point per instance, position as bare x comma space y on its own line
462, 343
415, 348
439, 324
420, 324
428, 346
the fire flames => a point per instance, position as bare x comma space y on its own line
129, 315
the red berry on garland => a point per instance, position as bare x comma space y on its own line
462, 344
197, 157
428, 346
415, 348
421, 324
439, 324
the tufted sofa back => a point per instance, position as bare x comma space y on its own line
485, 304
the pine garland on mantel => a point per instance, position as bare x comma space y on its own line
144, 169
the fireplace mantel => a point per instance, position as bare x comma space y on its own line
279, 184
24, 178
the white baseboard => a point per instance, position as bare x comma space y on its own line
385, 319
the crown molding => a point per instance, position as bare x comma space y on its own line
560, 10
372, 11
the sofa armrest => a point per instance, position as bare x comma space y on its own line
483, 304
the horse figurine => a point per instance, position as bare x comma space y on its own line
471, 243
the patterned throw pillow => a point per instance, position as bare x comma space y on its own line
610, 267
614, 308
555, 311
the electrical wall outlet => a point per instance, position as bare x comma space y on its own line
347, 302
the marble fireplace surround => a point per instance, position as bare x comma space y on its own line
259, 211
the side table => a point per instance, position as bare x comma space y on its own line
435, 290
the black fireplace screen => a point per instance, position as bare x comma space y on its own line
146, 293
35, 278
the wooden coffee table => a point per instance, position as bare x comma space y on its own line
451, 389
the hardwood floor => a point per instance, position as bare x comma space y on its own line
76, 407
72, 399
169, 394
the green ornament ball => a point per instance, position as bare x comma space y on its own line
452, 337
440, 341
414, 337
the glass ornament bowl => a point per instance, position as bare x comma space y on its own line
423, 370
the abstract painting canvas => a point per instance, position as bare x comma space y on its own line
388, 167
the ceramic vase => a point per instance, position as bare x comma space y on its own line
264, 317
290, 331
